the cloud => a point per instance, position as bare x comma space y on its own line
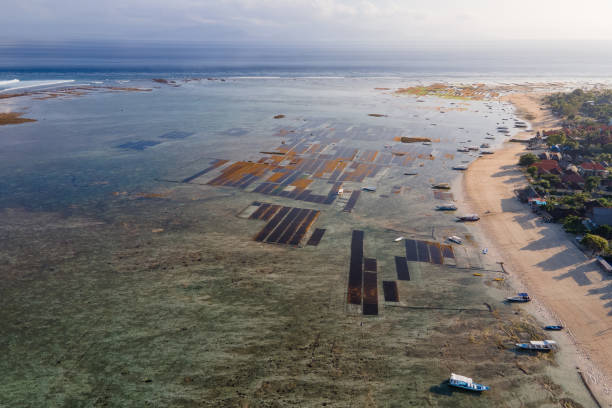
305, 20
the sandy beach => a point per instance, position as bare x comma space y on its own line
568, 286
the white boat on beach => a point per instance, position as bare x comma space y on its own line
545, 345
463, 150
466, 383
455, 239
460, 167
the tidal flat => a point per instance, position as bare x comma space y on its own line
145, 285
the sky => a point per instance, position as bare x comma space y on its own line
306, 21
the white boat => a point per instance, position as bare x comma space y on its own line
369, 188
398, 239
455, 239
475, 148
545, 345
427, 143
490, 137
447, 207
486, 152
466, 383
460, 167
463, 150
520, 298
485, 146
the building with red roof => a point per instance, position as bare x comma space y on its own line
548, 166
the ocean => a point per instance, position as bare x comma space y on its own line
130, 260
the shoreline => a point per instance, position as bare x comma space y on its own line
567, 286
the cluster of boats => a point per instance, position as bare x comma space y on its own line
467, 383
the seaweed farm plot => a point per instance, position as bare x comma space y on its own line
286, 225
362, 278
430, 252
443, 195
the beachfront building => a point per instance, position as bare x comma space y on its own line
600, 215
592, 169
573, 180
548, 166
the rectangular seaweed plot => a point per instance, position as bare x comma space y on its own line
316, 236
303, 229
390, 291
259, 212
356, 268
447, 251
370, 293
422, 251
293, 227
401, 266
267, 229
434, 253
274, 236
369, 265
352, 201
270, 212
411, 250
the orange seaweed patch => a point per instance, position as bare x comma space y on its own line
301, 184
449, 156
276, 176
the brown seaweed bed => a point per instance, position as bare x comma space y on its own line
13, 118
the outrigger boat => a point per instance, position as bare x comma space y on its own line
556, 328
466, 383
463, 150
455, 239
441, 186
545, 345
448, 207
520, 298
469, 217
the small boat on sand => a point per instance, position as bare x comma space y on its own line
463, 150
474, 148
469, 217
466, 383
441, 186
519, 298
460, 167
455, 239
447, 207
485, 146
369, 188
554, 327
486, 152
546, 345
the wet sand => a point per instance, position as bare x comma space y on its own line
568, 287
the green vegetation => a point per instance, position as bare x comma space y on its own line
583, 106
595, 242
556, 139
604, 231
592, 183
573, 224
528, 159
532, 170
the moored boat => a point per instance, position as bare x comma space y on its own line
455, 239
469, 217
553, 327
545, 345
521, 298
466, 383
441, 186
460, 167
446, 207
